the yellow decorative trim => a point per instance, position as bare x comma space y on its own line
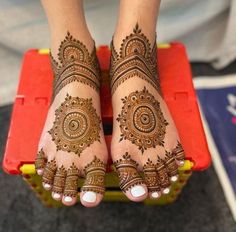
187, 166
28, 169
164, 45
43, 51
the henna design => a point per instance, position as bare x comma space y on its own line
95, 176
179, 152
59, 180
71, 184
135, 58
49, 172
127, 172
171, 164
40, 160
162, 174
151, 177
75, 64
76, 126
142, 121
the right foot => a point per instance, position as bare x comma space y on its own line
72, 143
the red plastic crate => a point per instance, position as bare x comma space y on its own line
34, 93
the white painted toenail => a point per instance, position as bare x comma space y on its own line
46, 186
174, 178
138, 191
181, 163
68, 199
166, 190
89, 197
40, 172
56, 195
155, 194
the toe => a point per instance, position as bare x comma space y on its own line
94, 185
40, 162
151, 180
179, 154
131, 183
171, 166
71, 186
59, 183
163, 177
48, 174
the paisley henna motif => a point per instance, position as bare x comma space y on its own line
49, 171
40, 160
142, 121
71, 184
59, 180
76, 126
75, 64
151, 177
127, 172
95, 176
135, 58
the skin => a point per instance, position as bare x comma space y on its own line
68, 16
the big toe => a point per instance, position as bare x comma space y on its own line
131, 183
94, 185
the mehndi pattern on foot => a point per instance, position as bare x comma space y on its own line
76, 126
179, 153
127, 172
75, 64
135, 58
151, 177
142, 121
59, 180
94, 176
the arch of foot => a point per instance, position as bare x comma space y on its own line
141, 121
76, 127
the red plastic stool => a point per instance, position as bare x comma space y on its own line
33, 99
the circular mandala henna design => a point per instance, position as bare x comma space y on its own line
142, 121
76, 126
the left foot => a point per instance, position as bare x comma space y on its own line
145, 138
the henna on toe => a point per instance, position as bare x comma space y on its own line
40, 162
179, 154
48, 174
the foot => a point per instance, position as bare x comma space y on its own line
145, 138
72, 144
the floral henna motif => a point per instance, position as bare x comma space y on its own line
49, 172
76, 126
76, 64
127, 172
171, 164
162, 174
95, 176
71, 184
142, 121
40, 160
59, 180
151, 177
135, 58
179, 152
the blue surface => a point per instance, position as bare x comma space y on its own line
219, 108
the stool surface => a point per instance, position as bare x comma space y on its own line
34, 93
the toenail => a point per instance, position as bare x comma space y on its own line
174, 178
166, 190
89, 197
138, 191
68, 199
46, 185
181, 163
155, 195
56, 195
39, 171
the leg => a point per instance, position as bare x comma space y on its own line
145, 138
72, 143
